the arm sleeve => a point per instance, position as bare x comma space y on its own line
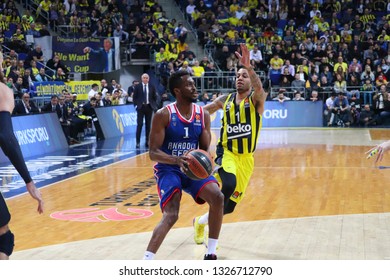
10, 146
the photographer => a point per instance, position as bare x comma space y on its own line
367, 117
341, 110
379, 99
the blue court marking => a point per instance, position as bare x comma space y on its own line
383, 167
55, 167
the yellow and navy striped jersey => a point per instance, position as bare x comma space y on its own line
241, 125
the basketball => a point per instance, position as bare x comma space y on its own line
199, 164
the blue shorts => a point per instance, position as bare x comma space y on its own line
171, 180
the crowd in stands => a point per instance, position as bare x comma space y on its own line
335, 50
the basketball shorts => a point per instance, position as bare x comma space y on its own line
5, 216
171, 180
242, 167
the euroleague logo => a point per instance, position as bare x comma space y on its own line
93, 215
125, 196
118, 120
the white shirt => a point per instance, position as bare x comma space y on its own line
91, 93
190, 9
255, 55
329, 102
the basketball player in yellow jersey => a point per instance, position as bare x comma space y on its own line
241, 123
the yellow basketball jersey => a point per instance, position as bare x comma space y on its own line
241, 125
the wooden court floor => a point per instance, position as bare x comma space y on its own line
313, 195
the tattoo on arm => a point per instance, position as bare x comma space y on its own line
216, 105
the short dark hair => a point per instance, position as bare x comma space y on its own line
175, 80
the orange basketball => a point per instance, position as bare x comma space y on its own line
200, 165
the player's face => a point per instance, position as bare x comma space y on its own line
188, 89
243, 82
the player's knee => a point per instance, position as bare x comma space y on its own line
217, 199
171, 218
7, 243
229, 207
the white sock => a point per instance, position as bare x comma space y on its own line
148, 256
212, 246
204, 220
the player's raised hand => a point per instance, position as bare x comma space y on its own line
244, 56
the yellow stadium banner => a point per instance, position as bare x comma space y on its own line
81, 88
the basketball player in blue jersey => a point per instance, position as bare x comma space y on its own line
176, 129
11, 149
241, 124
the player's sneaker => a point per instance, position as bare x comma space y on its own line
212, 257
199, 231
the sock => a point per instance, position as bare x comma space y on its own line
204, 220
212, 246
148, 256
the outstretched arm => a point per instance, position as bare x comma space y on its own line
216, 104
205, 137
379, 150
259, 95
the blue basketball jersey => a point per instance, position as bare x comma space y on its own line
181, 134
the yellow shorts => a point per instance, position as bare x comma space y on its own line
242, 167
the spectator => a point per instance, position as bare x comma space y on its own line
93, 91
25, 106
276, 63
328, 111
281, 97
52, 105
379, 99
61, 75
367, 117
88, 109
340, 85
41, 76
367, 74
313, 84
297, 83
256, 58
298, 96
53, 64
314, 96
36, 54
107, 100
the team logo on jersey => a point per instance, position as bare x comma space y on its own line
236, 194
197, 120
246, 103
174, 120
228, 106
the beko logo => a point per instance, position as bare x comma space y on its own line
240, 128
